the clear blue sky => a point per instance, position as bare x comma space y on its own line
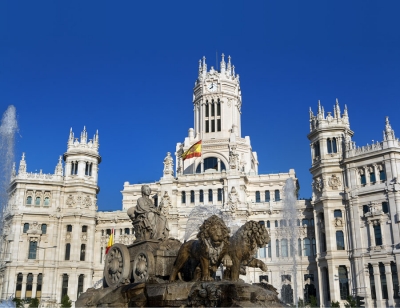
127, 68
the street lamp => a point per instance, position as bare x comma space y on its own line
44, 259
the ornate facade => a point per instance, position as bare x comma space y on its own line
342, 242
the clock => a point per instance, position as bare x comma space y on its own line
212, 87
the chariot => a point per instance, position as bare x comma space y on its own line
140, 261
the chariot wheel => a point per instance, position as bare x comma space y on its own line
143, 266
117, 265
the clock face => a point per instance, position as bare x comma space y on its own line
212, 87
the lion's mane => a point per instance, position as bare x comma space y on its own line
204, 235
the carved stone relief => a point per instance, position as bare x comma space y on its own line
334, 182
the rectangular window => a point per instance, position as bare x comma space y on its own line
378, 235
67, 251
32, 250
269, 251
261, 252
277, 195
218, 108
212, 109
263, 278
385, 207
201, 196
372, 178
258, 199
267, 196
382, 175
212, 126
210, 195
39, 285
207, 110
207, 126
64, 290
219, 194
363, 179
80, 284
277, 248
218, 125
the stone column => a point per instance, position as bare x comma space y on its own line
366, 172
196, 197
34, 286
378, 287
219, 165
371, 233
389, 284
215, 196
23, 289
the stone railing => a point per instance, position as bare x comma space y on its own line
37, 176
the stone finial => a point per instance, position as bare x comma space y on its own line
229, 67
204, 65
319, 107
311, 114
389, 132
233, 71
200, 68
223, 64
337, 109
22, 165
59, 167
84, 135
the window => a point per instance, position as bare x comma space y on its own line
337, 213
108, 231
26, 227
304, 222
218, 108
127, 230
277, 248
383, 281
80, 284
211, 163
192, 196
69, 228
385, 207
331, 145
83, 252
64, 290
67, 251
32, 250
317, 153
101, 255
307, 248
343, 282
277, 195
372, 281
261, 252
299, 247
207, 109
362, 179
201, 196
382, 175
155, 197
74, 168
44, 228
218, 125
88, 168
269, 251
210, 195
84, 229
372, 178
339, 240
46, 201
39, 286
284, 248
258, 198
263, 278
207, 125
219, 194
312, 222
37, 201
276, 224
29, 284
365, 209
267, 196
378, 235
183, 197
18, 286
395, 280
314, 247
268, 224
29, 200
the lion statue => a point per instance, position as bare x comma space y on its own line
208, 251
243, 246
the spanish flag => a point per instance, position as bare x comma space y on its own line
194, 151
110, 241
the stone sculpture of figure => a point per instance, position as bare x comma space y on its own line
148, 220
168, 165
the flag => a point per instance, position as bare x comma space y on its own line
110, 241
194, 151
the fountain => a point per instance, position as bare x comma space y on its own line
159, 271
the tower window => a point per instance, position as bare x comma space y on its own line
88, 168
212, 109
331, 145
337, 213
299, 247
32, 250
385, 207
363, 179
201, 196
382, 175
84, 228
258, 199
80, 284
267, 196
339, 240
64, 290
74, 168
127, 230
372, 178
183, 197
218, 108
29, 200
277, 195
83, 252
212, 126
210, 195
218, 125
191, 196
219, 194
277, 248
378, 235
317, 152
69, 228
67, 251
207, 126
207, 110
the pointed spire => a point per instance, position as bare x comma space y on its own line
13, 171
229, 67
319, 106
200, 70
337, 108
84, 135
204, 65
223, 64
233, 71
22, 165
311, 114
71, 134
345, 110
59, 167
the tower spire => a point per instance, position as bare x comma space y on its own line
223, 65
229, 68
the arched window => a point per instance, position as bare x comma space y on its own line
18, 286
261, 252
343, 282
32, 250
258, 199
83, 252
268, 224
29, 284
201, 196
277, 195
64, 288
210, 163
210, 195
29, 200
74, 168
332, 146
383, 281
304, 222
218, 108
46, 201
26, 227
39, 285
307, 247
314, 247
267, 196
299, 247
284, 247
44, 228
67, 251
277, 248
80, 284
212, 108
84, 228
219, 194
207, 110
337, 213
385, 207
88, 168
37, 201
183, 197
192, 196
339, 240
